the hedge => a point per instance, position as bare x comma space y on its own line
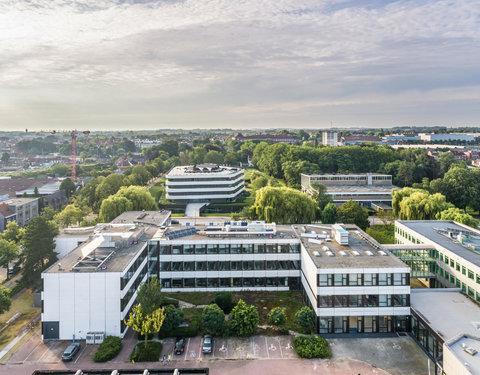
149, 354
312, 347
108, 349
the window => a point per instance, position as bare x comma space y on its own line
399, 300
177, 249
236, 249
464, 270
384, 279
471, 275
471, 292
212, 266
189, 249
258, 249
340, 279
177, 266
271, 248
223, 249
236, 266
370, 300
355, 279
224, 266
259, 265
340, 301
441, 257
369, 279
384, 300
457, 266
325, 279
271, 265
283, 248
189, 283
355, 301
212, 249
446, 260
325, 301
452, 263
248, 265
478, 278
200, 266
248, 249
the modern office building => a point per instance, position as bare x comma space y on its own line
352, 284
330, 138
204, 183
446, 325
433, 137
92, 288
454, 255
20, 210
368, 189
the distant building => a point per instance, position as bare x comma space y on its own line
204, 183
433, 137
143, 143
351, 140
20, 210
50, 192
367, 189
276, 138
330, 138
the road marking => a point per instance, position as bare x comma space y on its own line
253, 346
186, 350
280, 346
36, 346
46, 351
266, 347
81, 352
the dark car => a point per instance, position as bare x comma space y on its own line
207, 346
70, 352
13, 270
179, 346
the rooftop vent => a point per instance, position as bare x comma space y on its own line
381, 252
368, 252
471, 351
316, 253
343, 253
329, 253
356, 253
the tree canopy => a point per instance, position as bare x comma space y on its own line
352, 213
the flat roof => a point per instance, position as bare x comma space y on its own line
202, 170
46, 189
447, 311
362, 250
367, 189
461, 346
429, 229
19, 201
154, 218
117, 244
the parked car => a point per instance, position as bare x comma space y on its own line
207, 346
179, 346
13, 270
70, 352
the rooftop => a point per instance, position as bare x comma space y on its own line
202, 169
362, 250
19, 201
366, 189
45, 189
445, 233
459, 314
154, 218
467, 350
110, 248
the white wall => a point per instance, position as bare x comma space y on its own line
64, 245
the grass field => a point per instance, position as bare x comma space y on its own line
24, 304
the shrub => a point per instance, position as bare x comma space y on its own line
305, 318
173, 318
151, 353
277, 317
224, 300
213, 318
109, 349
244, 319
169, 301
141, 337
311, 347
190, 331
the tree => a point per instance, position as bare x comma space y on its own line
417, 204
69, 215
173, 318
224, 300
13, 232
8, 253
139, 176
305, 318
69, 186
5, 157
38, 249
139, 196
213, 318
5, 299
150, 295
458, 215
446, 160
283, 206
114, 206
462, 187
143, 323
320, 195
259, 182
244, 319
352, 213
277, 317
108, 186
214, 157
329, 214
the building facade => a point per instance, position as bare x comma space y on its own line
204, 183
330, 138
20, 210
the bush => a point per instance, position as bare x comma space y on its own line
173, 318
312, 347
141, 337
213, 319
277, 317
244, 319
169, 301
305, 318
224, 300
190, 331
109, 349
149, 354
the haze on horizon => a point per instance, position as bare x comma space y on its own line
144, 64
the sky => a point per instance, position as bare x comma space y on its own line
145, 64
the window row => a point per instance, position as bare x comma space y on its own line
133, 288
460, 268
257, 265
366, 300
205, 192
363, 279
133, 268
232, 282
229, 249
363, 324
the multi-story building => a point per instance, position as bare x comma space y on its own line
368, 189
352, 284
276, 138
20, 210
92, 288
455, 252
432, 137
204, 183
330, 138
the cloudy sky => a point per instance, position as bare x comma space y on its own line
145, 64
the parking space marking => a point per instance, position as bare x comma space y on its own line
280, 346
29, 354
81, 352
47, 350
186, 350
266, 347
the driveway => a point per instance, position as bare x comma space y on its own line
193, 209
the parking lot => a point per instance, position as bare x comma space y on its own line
256, 347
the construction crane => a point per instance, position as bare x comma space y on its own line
73, 134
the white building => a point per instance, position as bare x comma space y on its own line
356, 287
93, 288
330, 138
456, 254
204, 183
368, 189
143, 143
432, 137
461, 355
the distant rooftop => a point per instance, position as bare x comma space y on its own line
154, 218
467, 350
448, 312
45, 189
446, 234
202, 169
367, 189
19, 201
362, 250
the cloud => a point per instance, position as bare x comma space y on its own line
221, 62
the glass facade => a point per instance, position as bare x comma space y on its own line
362, 324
